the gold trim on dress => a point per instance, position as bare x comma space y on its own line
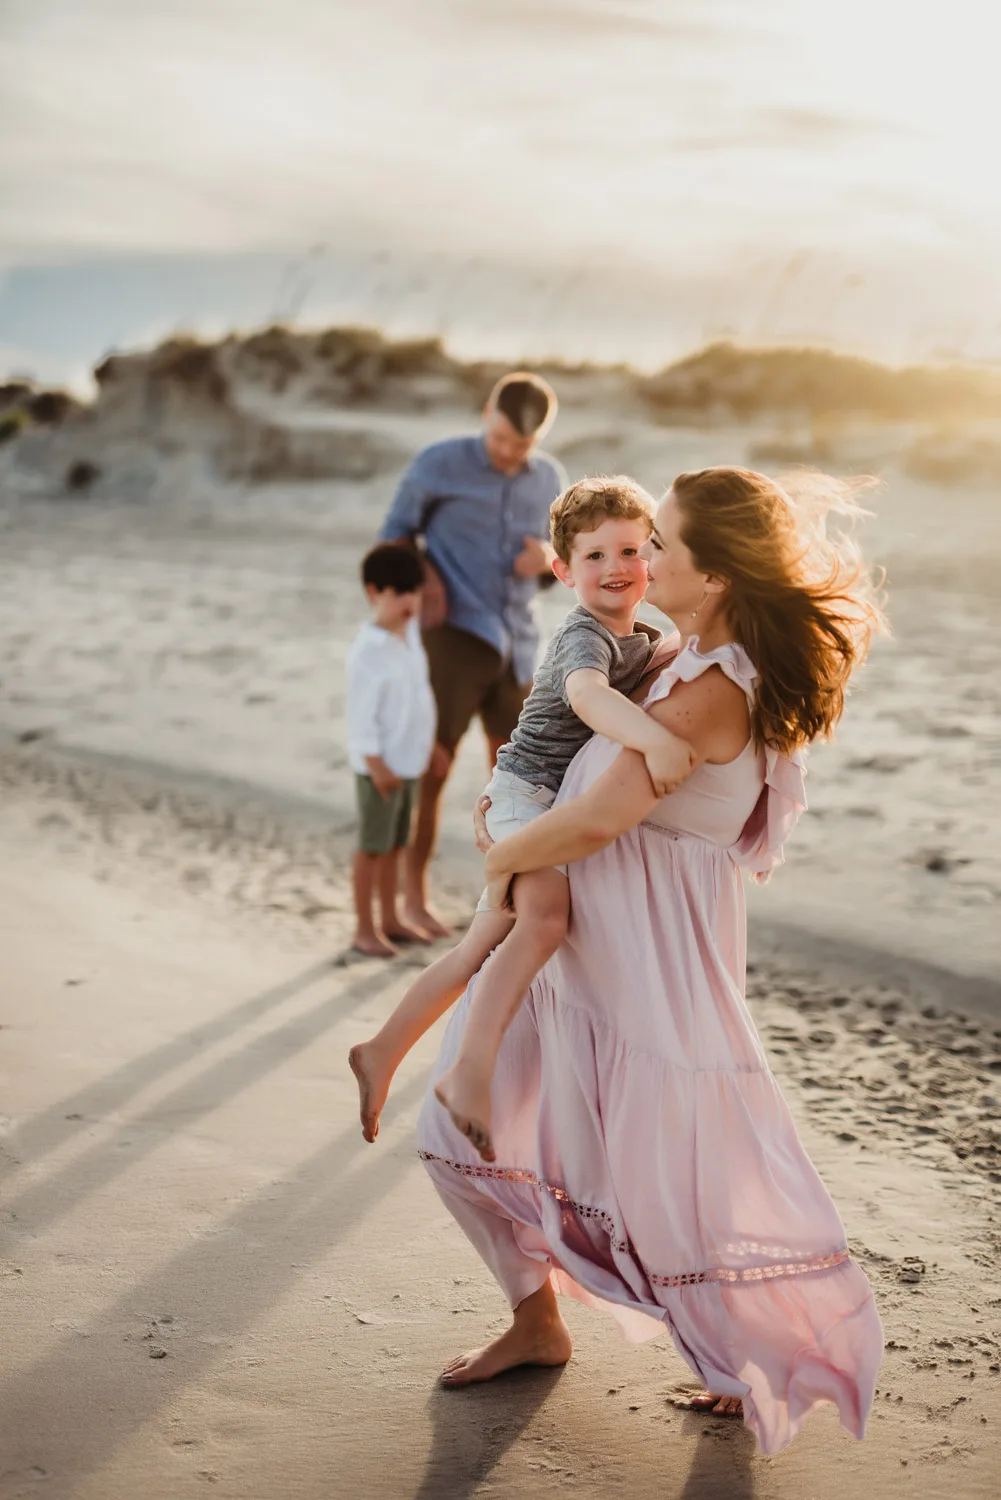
727, 1275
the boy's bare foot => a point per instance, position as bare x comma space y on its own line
425, 919
374, 946
719, 1406
525, 1343
468, 1102
404, 932
374, 1076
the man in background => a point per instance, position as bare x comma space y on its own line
480, 506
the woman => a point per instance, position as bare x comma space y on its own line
645, 1160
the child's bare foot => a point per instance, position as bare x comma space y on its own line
406, 932
467, 1100
374, 1075
425, 919
372, 944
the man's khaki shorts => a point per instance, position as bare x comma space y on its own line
468, 677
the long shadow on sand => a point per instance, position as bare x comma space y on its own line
473, 1429
102, 1387
721, 1467
92, 1170
47, 1131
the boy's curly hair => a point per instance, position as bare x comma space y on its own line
584, 505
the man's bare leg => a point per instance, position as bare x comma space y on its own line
374, 1062
542, 908
393, 925
537, 1336
367, 938
416, 909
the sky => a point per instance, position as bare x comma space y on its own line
828, 170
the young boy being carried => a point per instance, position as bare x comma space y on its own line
596, 658
391, 729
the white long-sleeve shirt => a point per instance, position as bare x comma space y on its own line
390, 709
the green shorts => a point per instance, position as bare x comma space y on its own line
384, 822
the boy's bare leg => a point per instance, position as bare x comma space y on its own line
542, 908
374, 1062
416, 909
367, 938
393, 925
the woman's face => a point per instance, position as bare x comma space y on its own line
675, 587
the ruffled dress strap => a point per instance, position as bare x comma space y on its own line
761, 846
685, 663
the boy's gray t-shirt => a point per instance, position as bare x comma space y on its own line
549, 733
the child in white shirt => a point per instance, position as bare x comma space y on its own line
391, 730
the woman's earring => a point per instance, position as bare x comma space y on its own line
702, 601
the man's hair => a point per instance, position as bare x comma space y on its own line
584, 505
392, 565
528, 401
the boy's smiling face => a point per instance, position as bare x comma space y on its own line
607, 571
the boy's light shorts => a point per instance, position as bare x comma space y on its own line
514, 803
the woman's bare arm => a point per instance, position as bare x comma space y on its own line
619, 799
710, 713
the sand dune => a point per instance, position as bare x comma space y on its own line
258, 406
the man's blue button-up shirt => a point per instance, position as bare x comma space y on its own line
474, 521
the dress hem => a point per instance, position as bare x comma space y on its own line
723, 1275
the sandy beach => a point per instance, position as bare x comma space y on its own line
208, 1279
178, 618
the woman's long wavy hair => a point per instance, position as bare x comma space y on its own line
801, 601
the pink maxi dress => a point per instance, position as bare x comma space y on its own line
646, 1161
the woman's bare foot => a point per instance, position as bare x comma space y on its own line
719, 1406
538, 1336
467, 1099
374, 1074
373, 945
425, 919
405, 932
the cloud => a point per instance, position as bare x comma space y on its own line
793, 129
578, 22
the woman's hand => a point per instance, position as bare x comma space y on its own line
483, 840
498, 893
